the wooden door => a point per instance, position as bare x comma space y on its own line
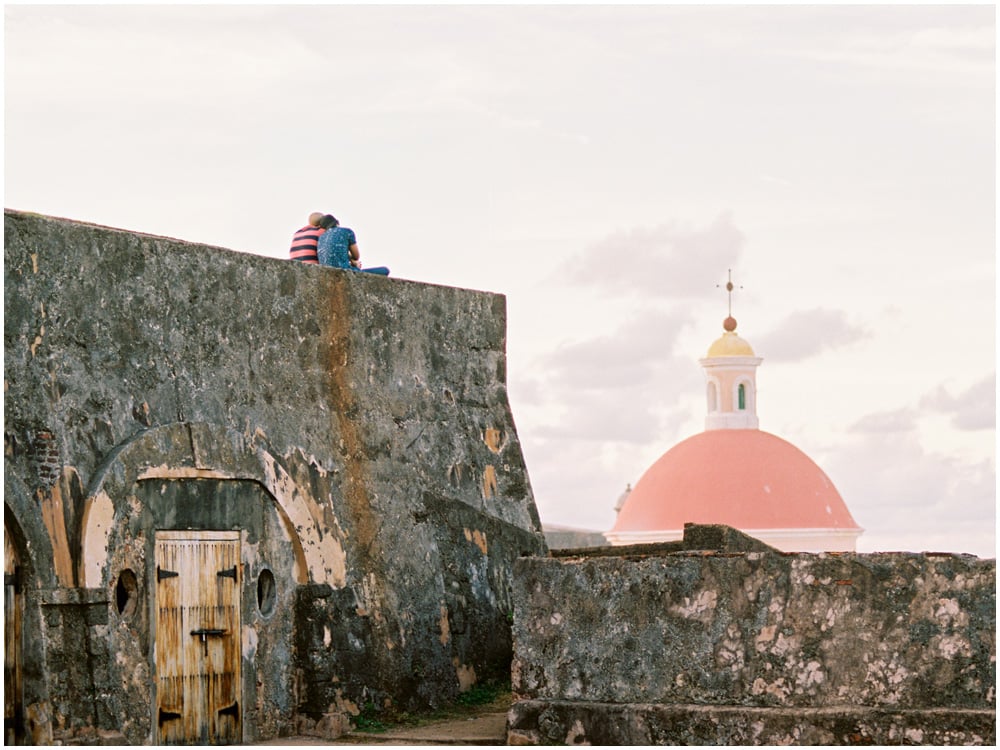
13, 613
197, 647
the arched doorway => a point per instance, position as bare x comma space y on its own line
222, 575
202, 540
13, 621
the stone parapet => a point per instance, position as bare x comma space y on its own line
745, 633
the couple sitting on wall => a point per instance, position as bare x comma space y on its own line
324, 241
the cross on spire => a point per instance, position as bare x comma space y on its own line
729, 290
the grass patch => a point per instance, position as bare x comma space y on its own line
366, 721
482, 695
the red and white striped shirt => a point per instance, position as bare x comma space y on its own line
304, 244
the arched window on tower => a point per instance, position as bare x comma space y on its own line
713, 397
742, 394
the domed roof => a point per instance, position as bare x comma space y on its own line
747, 479
730, 345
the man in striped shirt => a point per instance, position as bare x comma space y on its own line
304, 240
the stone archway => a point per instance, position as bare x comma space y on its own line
205, 480
27, 573
204, 451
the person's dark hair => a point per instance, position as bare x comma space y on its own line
328, 221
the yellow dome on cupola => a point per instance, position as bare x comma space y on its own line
729, 344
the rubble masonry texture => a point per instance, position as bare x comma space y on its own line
755, 647
355, 428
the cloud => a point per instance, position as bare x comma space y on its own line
610, 388
630, 356
772, 180
926, 40
666, 260
525, 390
624, 419
807, 333
576, 477
888, 422
908, 498
973, 409
572, 484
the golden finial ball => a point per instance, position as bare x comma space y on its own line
729, 324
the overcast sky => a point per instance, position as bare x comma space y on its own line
602, 167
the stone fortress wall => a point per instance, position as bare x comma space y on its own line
352, 431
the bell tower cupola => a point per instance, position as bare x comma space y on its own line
731, 378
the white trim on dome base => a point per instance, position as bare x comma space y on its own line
728, 420
786, 540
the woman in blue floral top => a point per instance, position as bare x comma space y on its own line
338, 248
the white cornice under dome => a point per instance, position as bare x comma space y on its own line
786, 540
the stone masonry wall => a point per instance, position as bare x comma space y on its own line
757, 647
362, 421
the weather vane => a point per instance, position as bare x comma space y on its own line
729, 291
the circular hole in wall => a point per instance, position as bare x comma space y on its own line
266, 592
126, 592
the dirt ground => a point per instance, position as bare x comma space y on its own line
460, 725
485, 729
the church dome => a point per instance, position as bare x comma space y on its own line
735, 475
730, 345
748, 479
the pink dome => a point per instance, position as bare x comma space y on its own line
747, 479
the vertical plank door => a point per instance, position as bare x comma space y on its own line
197, 647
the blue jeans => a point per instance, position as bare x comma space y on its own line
380, 270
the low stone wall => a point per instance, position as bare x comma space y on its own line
707, 647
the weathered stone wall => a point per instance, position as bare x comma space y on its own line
354, 428
758, 647
565, 538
